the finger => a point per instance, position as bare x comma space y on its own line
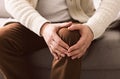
59, 48
78, 45
75, 27
60, 54
55, 49
66, 24
81, 54
54, 54
60, 42
76, 52
78, 56
83, 51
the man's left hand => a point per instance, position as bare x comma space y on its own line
79, 49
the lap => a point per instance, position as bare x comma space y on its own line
16, 42
21, 37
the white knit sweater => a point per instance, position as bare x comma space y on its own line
54, 11
24, 11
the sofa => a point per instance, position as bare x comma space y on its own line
102, 60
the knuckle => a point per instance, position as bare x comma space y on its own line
55, 48
58, 42
56, 45
79, 55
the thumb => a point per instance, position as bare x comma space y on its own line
65, 24
75, 27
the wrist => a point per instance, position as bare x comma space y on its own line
43, 28
91, 32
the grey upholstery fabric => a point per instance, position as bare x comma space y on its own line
104, 53
100, 74
101, 60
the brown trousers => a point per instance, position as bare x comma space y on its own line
16, 42
66, 68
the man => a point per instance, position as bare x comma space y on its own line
16, 41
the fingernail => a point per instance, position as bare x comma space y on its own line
67, 48
78, 57
69, 54
63, 55
73, 58
56, 58
66, 52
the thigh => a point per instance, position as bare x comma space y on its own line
20, 38
16, 42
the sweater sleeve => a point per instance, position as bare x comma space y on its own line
104, 15
25, 13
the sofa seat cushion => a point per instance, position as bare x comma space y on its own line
104, 53
41, 58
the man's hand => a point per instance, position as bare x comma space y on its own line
79, 49
54, 42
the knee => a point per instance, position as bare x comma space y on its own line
4, 35
69, 37
3, 41
7, 33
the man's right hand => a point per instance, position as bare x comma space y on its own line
56, 45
